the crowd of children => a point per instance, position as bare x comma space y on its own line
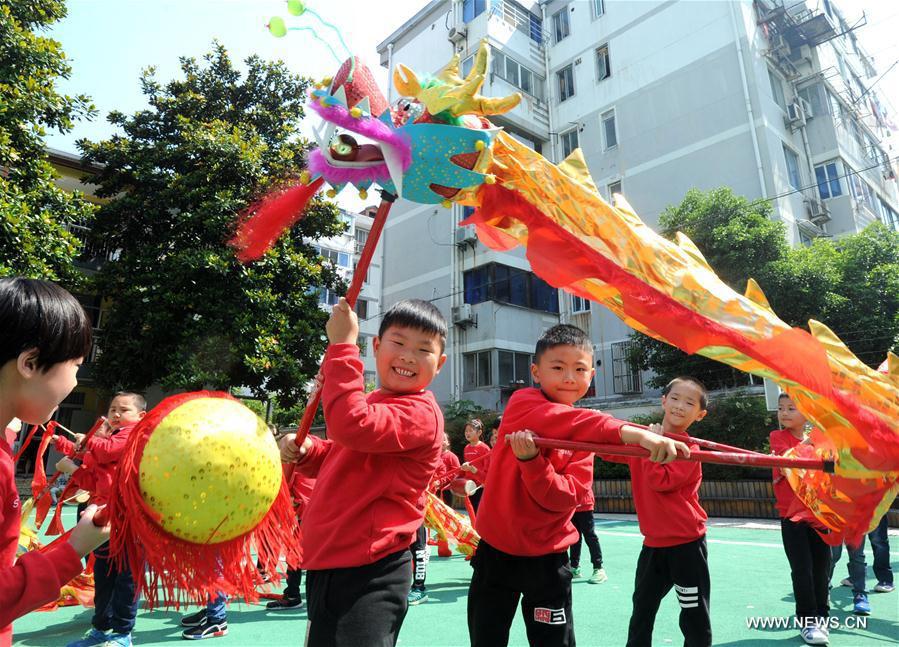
360, 494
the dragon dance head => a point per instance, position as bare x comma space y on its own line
428, 146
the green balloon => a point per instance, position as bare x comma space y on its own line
296, 7
277, 27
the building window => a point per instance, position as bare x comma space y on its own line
561, 25
505, 284
828, 179
466, 66
625, 374
341, 259
777, 90
361, 237
517, 74
814, 94
327, 297
478, 371
890, 217
579, 304
614, 187
361, 308
569, 142
862, 192
514, 368
471, 9
598, 8
792, 167
565, 76
603, 63
610, 136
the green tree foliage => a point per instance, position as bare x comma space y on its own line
850, 284
184, 311
34, 212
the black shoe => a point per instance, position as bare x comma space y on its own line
206, 629
194, 619
283, 603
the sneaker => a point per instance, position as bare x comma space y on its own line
416, 597
118, 640
599, 576
860, 605
813, 636
92, 637
884, 587
194, 619
575, 572
283, 603
206, 629
845, 582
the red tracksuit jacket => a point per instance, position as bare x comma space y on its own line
448, 463
99, 463
34, 579
667, 500
373, 470
527, 505
472, 452
785, 499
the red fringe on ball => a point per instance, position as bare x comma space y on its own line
265, 221
171, 571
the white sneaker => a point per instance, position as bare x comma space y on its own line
814, 636
884, 587
845, 582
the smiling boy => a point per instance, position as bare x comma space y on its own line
368, 502
531, 495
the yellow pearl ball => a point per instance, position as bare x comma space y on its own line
305, 177
211, 470
356, 113
490, 178
331, 193
326, 81
446, 204
363, 194
479, 145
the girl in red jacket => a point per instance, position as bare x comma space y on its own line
44, 336
476, 447
809, 556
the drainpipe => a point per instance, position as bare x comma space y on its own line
549, 111
389, 74
752, 133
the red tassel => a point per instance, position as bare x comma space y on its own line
56, 527
176, 571
271, 217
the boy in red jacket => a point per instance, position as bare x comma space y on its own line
44, 335
115, 603
674, 550
372, 472
531, 495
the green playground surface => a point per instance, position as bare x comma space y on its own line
750, 579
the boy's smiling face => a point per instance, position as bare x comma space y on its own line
683, 405
564, 373
407, 359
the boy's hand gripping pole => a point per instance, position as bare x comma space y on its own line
368, 252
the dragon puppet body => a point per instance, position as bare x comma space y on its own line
436, 145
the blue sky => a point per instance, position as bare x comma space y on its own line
110, 41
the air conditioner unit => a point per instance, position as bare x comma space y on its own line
806, 108
457, 36
465, 236
778, 43
463, 316
795, 114
817, 212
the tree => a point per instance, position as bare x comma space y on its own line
184, 312
34, 212
850, 284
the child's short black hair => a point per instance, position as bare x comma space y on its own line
140, 402
784, 396
418, 314
704, 398
562, 335
41, 315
